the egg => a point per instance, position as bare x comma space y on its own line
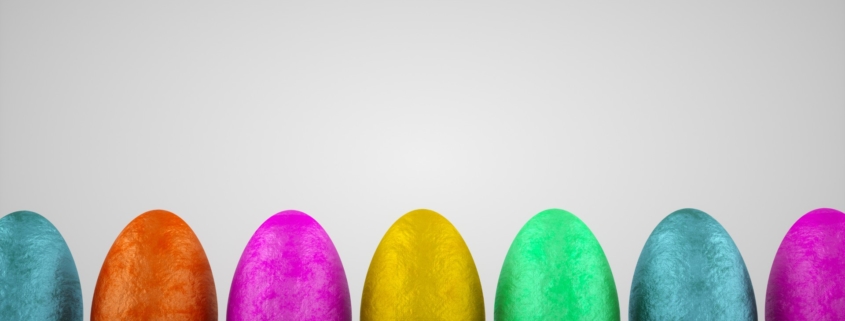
38, 277
422, 270
690, 269
807, 280
555, 269
289, 270
156, 269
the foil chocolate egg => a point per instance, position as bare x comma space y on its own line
807, 280
690, 269
422, 270
38, 277
289, 270
555, 269
156, 269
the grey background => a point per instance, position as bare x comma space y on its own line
357, 112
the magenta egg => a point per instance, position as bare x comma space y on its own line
289, 270
807, 281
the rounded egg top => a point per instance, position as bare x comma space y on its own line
690, 269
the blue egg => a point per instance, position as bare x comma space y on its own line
690, 269
38, 278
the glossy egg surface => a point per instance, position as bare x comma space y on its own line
289, 270
422, 270
156, 269
807, 280
690, 269
555, 269
38, 277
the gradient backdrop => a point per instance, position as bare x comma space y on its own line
357, 112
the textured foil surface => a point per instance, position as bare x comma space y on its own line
155, 270
807, 281
38, 277
422, 270
289, 270
690, 269
555, 269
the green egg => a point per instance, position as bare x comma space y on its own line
555, 269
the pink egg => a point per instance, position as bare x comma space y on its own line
807, 281
289, 270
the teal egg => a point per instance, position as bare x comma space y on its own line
38, 278
690, 269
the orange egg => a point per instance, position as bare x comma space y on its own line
155, 270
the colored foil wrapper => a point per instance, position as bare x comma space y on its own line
690, 269
422, 270
155, 270
38, 277
289, 270
555, 269
807, 280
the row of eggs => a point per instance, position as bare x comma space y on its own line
555, 269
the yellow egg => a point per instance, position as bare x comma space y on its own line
422, 270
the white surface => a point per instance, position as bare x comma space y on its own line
358, 112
